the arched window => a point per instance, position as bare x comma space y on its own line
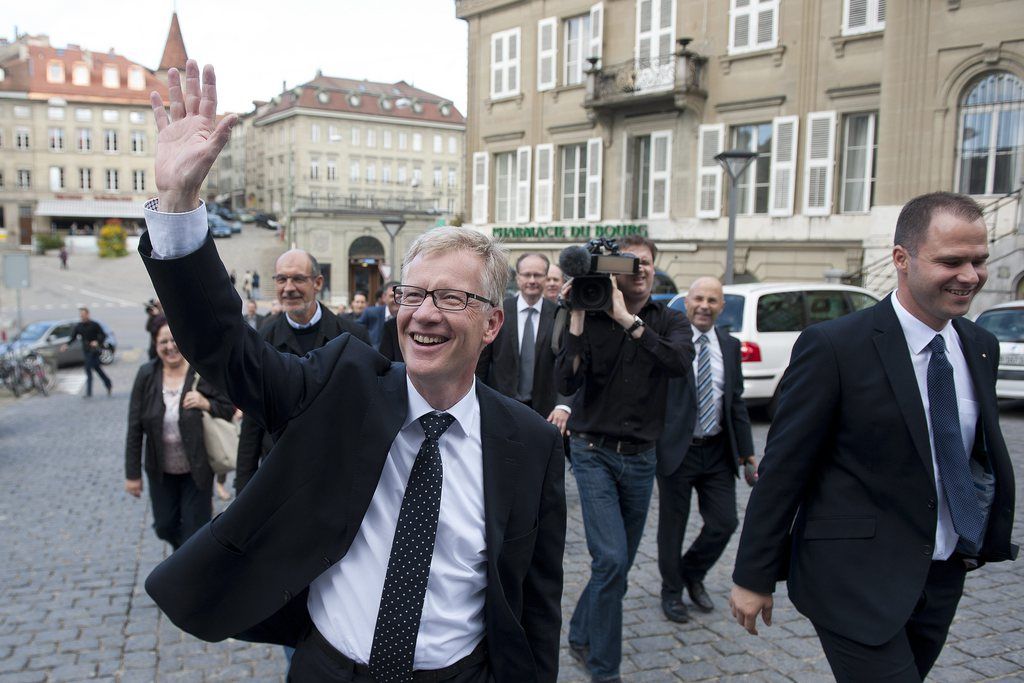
991, 154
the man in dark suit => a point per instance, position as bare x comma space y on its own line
374, 317
706, 440
252, 317
306, 325
330, 546
520, 362
885, 477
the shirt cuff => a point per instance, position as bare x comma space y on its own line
566, 408
175, 234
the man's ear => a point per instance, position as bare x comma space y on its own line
900, 258
494, 321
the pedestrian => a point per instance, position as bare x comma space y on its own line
706, 442
233, 277
885, 478
247, 284
154, 320
373, 317
252, 317
92, 337
553, 283
165, 437
619, 360
255, 284
395, 548
63, 257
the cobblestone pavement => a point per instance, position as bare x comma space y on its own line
76, 550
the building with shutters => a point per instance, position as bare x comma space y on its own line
604, 119
77, 136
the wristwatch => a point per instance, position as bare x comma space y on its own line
637, 324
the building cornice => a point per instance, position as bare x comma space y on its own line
854, 90
319, 113
465, 9
756, 103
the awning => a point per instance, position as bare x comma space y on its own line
88, 208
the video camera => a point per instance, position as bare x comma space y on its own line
589, 267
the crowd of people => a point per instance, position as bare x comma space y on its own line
400, 521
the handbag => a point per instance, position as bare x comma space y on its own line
220, 437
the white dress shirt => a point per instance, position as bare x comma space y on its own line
521, 308
717, 379
918, 337
343, 601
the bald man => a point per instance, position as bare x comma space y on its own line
706, 440
306, 325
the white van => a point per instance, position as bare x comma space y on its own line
1006, 322
768, 317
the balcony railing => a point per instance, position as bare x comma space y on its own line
370, 204
679, 75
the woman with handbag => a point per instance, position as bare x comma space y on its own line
166, 408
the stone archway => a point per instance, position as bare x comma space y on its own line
365, 255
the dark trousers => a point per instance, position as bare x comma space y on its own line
910, 654
179, 508
315, 661
92, 364
706, 469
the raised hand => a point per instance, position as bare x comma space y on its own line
189, 140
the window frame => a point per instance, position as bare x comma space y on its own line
874, 17
753, 10
579, 191
574, 72
507, 65
993, 111
868, 176
746, 202
505, 187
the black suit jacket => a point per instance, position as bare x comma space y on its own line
246, 573
373, 320
848, 457
681, 412
499, 362
389, 346
254, 441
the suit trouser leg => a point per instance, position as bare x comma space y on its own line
165, 496
910, 654
196, 507
673, 513
716, 498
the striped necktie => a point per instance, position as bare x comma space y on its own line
707, 412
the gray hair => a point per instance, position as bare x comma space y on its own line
450, 239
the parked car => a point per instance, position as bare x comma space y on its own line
246, 217
768, 317
266, 220
218, 226
46, 337
1006, 322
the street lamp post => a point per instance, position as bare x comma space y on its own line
735, 162
393, 225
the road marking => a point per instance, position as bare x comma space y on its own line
87, 292
70, 381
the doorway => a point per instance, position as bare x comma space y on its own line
364, 259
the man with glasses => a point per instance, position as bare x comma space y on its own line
520, 362
306, 325
409, 523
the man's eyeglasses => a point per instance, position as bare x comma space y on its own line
297, 280
444, 299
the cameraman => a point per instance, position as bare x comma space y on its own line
620, 361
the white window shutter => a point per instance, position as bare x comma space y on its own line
497, 59
766, 26
512, 72
709, 173
480, 189
739, 20
644, 32
661, 173
880, 14
545, 186
855, 14
783, 174
547, 53
595, 151
523, 168
818, 162
596, 31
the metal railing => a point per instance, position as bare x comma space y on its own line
681, 71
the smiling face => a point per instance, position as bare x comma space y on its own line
637, 288
704, 302
939, 282
296, 286
441, 348
553, 282
166, 349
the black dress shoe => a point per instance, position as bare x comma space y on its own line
699, 596
675, 610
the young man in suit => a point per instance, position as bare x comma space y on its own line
885, 477
520, 362
374, 317
383, 476
705, 442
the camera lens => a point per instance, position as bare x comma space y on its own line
591, 293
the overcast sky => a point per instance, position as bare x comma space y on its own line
257, 44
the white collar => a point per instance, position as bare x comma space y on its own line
312, 321
919, 335
461, 411
697, 334
521, 304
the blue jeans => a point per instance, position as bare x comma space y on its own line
92, 364
615, 494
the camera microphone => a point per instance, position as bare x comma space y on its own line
574, 261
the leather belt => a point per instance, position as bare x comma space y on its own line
478, 655
619, 446
706, 440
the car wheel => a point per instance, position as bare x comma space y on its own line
107, 355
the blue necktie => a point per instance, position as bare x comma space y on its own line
707, 411
527, 358
405, 584
954, 469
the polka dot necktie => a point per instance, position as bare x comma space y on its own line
954, 470
405, 584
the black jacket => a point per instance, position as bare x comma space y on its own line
255, 442
389, 346
681, 412
146, 418
499, 361
246, 574
845, 499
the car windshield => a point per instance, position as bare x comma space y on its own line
33, 332
1007, 324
